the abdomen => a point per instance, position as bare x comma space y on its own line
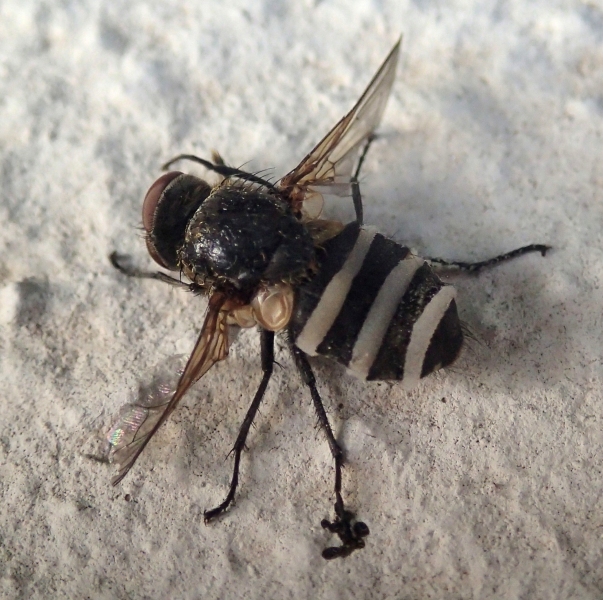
377, 309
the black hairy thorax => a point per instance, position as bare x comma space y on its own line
241, 236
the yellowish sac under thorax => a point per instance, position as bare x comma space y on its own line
270, 308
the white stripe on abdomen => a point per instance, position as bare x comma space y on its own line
334, 295
421, 335
380, 315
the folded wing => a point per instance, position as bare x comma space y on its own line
141, 420
330, 163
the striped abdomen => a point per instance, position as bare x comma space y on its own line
377, 309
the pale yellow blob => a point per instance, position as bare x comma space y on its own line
271, 308
242, 316
273, 305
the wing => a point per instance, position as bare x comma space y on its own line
331, 162
139, 423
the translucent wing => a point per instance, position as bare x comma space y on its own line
141, 420
331, 162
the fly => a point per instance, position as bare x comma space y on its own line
263, 256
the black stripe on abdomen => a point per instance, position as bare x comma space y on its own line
382, 257
332, 256
441, 331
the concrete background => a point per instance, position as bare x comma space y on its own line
484, 482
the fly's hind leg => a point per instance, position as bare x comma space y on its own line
267, 350
356, 196
478, 266
350, 533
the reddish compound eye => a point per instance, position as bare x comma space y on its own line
168, 206
151, 200
155, 255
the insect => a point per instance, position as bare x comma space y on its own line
263, 257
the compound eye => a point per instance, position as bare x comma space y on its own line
151, 200
167, 210
155, 255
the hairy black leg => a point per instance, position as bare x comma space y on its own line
267, 344
118, 261
477, 266
356, 196
220, 168
349, 533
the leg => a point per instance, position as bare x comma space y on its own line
220, 168
117, 261
267, 364
478, 266
356, 197
350, 535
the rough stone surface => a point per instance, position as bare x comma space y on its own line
485, 482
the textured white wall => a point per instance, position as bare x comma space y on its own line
485, 482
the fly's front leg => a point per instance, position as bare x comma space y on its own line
119, 262
356, 196
478, 266
267, 349
351, 534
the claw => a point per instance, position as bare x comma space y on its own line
350, 534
